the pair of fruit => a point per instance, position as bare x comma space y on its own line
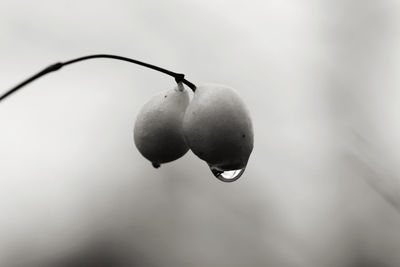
215, 125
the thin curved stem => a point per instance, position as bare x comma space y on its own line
179, 77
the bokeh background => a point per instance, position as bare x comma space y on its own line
321, 80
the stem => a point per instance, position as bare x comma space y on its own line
179, 77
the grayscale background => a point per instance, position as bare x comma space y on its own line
320, 78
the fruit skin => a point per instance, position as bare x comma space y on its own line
217, 127
158, 128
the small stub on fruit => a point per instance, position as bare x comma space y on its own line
180, 87
156, 165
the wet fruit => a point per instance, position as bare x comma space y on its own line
218, 129
158, 128
216, 125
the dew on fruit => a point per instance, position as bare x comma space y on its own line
227, 176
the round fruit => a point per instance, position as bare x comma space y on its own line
217, 127
158, 128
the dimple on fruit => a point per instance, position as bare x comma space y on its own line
158, 128
215, 125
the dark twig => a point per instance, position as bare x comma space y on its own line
54, 67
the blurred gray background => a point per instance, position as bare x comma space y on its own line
321, 80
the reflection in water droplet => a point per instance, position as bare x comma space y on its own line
227, 176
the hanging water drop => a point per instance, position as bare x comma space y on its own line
227, 176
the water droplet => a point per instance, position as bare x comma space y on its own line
227, 176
